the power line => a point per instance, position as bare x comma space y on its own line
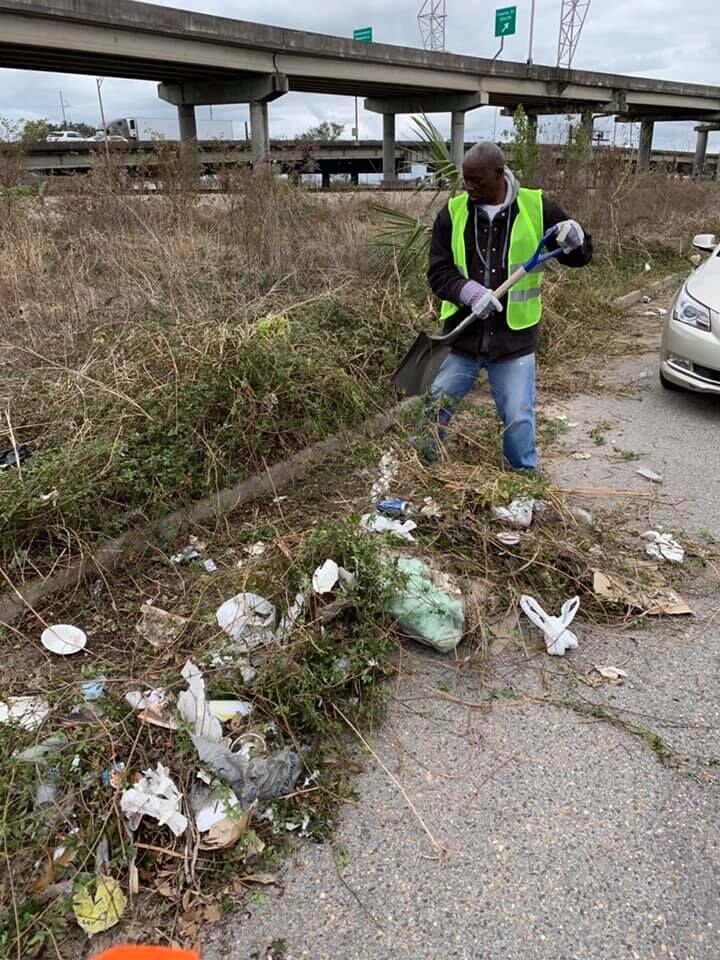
432, 19
572, 20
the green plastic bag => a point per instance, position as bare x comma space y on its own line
426, 612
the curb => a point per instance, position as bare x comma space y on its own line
657, 286
109, 554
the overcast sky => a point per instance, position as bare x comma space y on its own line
656, 38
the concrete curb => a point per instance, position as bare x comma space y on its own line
657, 286
109, 554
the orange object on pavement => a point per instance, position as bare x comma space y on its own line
144, 952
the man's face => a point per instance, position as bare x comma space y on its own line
485, 184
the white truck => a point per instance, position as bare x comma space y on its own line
167, 128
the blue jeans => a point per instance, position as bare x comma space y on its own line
512, 384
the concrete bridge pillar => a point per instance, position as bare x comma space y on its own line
389, 169
457, 137
259, 132
700, 152
647, 129
588, 124
186, 121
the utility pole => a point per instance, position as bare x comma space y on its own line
532, 32
99, 81
62, 108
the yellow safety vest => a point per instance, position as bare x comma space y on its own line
524, 303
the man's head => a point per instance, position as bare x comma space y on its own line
484, 173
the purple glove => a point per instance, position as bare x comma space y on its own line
479, 299
570, 236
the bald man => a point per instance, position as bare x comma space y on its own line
478, 238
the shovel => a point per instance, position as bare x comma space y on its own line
425, 357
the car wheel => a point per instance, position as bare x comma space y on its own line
668, 384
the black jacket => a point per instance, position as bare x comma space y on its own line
492, 335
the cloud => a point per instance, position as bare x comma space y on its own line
647, 37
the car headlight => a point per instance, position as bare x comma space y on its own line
691, 311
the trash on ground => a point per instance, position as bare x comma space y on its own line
100, 911
256, 549
662, 312
115, 776
152, 707
581, 456
287, 623
518, 514
649, 475
227, 710
159, 627
248, 619
52, 497
154, 795
63, 639
655, 603
251, 779
430, 509
326, 577
14, 456
193, 707
46, 791
377, 523
186, 555
41, 752
27, 712
387, 471
558, 637
508, 539
210, 566
583, 515
662, 546
93, 689
393, 507
219, 816
613, 675
425, 611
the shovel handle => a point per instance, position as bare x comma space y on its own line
535, 260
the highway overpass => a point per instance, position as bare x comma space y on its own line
201, 59
298, 157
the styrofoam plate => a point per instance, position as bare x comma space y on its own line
63, 639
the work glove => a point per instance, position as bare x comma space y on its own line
570, 236
479, 299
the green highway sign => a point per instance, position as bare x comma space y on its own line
364, 34
505, 21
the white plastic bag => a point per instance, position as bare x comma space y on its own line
558, 638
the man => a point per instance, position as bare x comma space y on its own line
478, 238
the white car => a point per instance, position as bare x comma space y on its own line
690, 348
66, 136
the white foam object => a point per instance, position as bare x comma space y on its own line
193, 706
377, 523
558, 638
27, 712
508, 539
387, 468
63, 639
662, 546
248, 619
518, 514
325, 577
215, 811
225, 710
287, 621
155, 796
649, 475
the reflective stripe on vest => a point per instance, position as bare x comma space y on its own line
524, 305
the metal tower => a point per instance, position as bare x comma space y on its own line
572, 20
431, 20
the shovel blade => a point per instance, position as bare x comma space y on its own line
416, 373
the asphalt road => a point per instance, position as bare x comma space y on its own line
565, 837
